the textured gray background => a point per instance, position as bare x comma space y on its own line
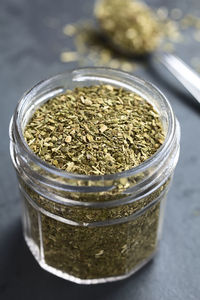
29, 52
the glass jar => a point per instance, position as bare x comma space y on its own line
92, 229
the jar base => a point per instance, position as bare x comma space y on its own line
36, 253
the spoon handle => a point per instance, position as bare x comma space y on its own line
188, 77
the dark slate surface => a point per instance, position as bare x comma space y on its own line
29, 51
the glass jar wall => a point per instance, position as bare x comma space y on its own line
92, 229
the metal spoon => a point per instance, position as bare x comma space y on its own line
188, 77
177, 67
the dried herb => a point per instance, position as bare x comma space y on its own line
75, 130
94, 130
93, 49
130, 25
97, 251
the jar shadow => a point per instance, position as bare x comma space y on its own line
22, 277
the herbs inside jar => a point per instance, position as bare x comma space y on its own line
95, 130
93, 201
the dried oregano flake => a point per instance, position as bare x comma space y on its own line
130, 25
95, 130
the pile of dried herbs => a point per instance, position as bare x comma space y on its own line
92, 252
130, 25
89, 45
95, 130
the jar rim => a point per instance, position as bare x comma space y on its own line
98, 73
